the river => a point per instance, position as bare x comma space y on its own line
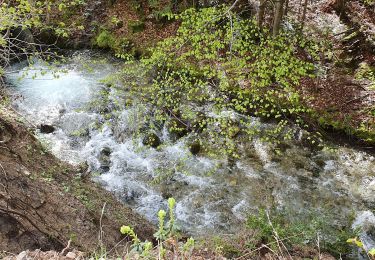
212, 196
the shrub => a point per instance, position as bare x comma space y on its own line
219, 60
105, 40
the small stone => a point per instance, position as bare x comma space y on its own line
27, 173
71, 255
106, 151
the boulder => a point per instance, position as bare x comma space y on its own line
23, 34
47, 36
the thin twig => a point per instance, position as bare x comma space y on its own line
268, 244
66, 248
354, 99
101, 226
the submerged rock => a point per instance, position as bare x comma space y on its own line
46, 129
105, 159
152, 140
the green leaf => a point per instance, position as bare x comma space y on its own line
359, 243
125, 230
372, 252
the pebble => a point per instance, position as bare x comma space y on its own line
71, 255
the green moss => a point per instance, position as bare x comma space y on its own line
366, 134
122, 47
365, 71
105, 39
228, 247
136, 26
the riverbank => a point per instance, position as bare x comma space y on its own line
45, 203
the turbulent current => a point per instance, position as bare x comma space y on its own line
212, 195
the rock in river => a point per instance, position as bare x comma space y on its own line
46, 129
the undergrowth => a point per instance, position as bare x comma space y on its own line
168, 238
269, 233
220, 71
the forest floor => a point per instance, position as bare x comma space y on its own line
344, 99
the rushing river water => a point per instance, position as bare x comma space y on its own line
211, 195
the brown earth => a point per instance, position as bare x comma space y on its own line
44, 203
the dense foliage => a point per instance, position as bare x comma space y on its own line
23, 15
218, 72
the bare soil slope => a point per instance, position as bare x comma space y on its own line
44, 203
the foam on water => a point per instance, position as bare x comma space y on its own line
212, 195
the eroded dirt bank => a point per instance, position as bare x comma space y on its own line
44, 203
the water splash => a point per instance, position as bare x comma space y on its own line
212, 195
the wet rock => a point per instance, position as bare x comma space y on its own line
83, 167
316, 172
283, 146
47, 36
195, 147
105, 159
62, 111
320, 162
106, 151
152, 140
24, 35
172, 187
46, 129
166, 194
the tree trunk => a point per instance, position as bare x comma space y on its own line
262, 8
341, 7
303, 19
278, 17
286, 8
